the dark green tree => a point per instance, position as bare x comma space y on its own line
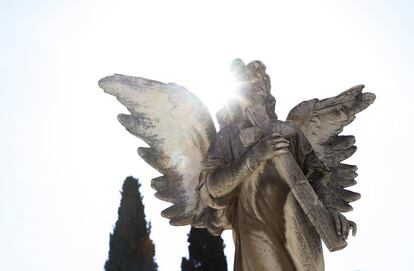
130, 247
206, 252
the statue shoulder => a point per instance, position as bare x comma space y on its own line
221, 142
226, 132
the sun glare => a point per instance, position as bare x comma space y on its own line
221, 90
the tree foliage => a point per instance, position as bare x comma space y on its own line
131, 248
206, 252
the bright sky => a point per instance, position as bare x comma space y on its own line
63, 155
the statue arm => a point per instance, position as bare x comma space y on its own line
319, 175
225, 172
314, 170
222, 180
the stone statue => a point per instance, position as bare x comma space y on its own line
279, 185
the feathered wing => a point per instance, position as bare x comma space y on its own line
178, 128
322, 121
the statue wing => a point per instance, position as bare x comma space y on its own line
178, 128
322, 121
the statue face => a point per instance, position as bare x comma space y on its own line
254, 97
258, 100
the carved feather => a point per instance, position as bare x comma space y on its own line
178, 128
322, 121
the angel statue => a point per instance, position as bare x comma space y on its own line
278, 185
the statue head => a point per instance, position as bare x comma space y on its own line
251, 77
252, 93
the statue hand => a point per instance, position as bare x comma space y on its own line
342, 224
269, 147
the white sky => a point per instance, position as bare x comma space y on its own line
63, 155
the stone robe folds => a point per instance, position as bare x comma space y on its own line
270, 230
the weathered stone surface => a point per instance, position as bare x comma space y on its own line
279, 185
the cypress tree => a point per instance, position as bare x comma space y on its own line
206, 252
131, 248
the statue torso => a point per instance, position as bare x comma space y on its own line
262, 214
